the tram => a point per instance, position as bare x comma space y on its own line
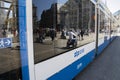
34, 37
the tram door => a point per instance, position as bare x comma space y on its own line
10, 65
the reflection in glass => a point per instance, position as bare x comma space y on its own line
107, 26
76, 17
44, 30
114, 27
9, 56
103, 24
61, 25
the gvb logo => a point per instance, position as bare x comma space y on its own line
79, 65
77, 53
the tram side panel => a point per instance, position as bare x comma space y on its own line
103, 30
114, 29
107, 31
102, 43
53, 22
67, 65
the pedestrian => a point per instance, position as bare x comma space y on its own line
63, 34
52, 34
41, 36
82, 33
4, 33
72, 39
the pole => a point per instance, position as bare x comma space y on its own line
96, 26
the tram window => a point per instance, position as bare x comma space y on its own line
114, 27
9, 41
52, 22
77, 18
103, 24
107, 26
44, 29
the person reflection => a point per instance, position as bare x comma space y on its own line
63, 34
52, 34
41, 35
4, 32
72, 39
82, 33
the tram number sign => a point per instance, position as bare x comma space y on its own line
5, 42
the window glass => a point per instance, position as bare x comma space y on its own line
44, 28
9, 42
75, 24
107, 26
114, 27
103, 24
61, 25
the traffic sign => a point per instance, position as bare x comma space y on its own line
5, 42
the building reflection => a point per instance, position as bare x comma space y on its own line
76, 14
47, 17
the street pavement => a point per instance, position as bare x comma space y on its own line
106, 66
